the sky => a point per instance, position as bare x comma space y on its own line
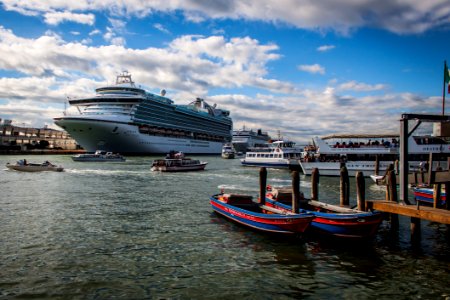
299, 67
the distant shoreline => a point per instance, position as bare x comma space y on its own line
40, 152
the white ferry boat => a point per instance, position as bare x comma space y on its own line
125, 118
277, 154
244, 139
360, 152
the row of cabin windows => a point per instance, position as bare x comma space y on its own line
266, 155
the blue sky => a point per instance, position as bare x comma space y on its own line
303, 68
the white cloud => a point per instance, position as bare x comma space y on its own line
54, 18
316, 68
325, 48
161, 28
361, 87
413, 16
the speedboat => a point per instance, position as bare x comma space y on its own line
99, 156
24, 166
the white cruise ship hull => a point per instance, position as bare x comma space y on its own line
94, 134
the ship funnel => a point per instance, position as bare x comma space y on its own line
163, 93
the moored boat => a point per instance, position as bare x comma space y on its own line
24, 166
99, 156
242, 209
361, 152
424, 195
177, 162
331, 220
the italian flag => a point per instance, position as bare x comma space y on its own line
447, 77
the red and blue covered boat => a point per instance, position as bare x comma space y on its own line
425, 195
330, 219
242, 209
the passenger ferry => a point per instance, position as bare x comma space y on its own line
127, 119
244, 139
360, 152
277, 154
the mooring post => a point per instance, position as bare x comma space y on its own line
344, 187
315, 184
360, 191
295, 192
447, 192
262, 185
437, 195
392, 187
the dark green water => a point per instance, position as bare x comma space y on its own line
120, 231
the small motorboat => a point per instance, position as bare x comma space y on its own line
176, 162
99, 156
23, 166
242, 209
228, 152
332, 220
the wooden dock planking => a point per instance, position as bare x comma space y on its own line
414, 211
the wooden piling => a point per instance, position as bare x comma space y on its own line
360, 191
295, 192
315, 184
393, 197
262, 185
436, 195
344, 187
415, 229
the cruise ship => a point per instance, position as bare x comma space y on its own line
244, 139
127, 119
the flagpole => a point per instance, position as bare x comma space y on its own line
443, 88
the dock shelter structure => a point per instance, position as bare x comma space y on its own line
436, 177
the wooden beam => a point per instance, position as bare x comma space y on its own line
414, 211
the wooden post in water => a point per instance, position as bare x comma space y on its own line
262, 185
344, 187
377, 165
437, 195
315, 184
295, 192
360, 191
447, 195
392, 187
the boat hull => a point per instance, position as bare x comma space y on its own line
272, 223
425, 195
125, 138
361, 225
277, 164
198, 167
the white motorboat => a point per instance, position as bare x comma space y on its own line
24, 166
228, 151
99, 156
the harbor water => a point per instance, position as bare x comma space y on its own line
120, 231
